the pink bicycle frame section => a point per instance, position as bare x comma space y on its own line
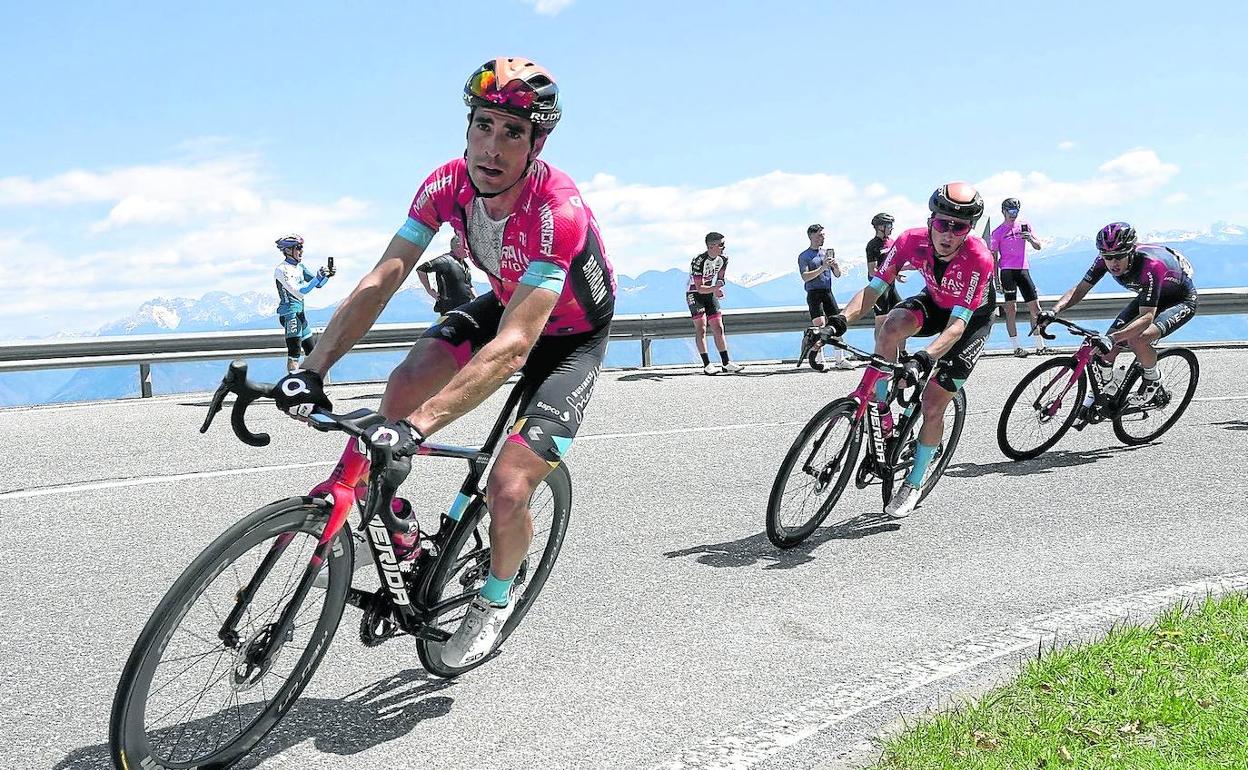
1083, 356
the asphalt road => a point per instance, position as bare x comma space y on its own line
671, 632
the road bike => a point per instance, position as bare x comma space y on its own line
240, 633
1048, 401
829, 450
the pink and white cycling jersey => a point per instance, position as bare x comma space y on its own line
550, 240
963, 281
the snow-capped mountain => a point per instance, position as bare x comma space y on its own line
749, 280
214, 311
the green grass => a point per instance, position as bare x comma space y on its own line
1171, 695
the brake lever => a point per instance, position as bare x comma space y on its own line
218, 400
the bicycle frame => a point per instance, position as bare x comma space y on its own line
407, 610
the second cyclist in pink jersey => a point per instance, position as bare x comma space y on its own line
955, 306
549, 314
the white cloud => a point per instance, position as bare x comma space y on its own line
1066, 145
548, 7
764, 218
1174, 199
1130, 176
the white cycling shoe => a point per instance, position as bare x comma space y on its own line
477, 634
904, 501
732, 367
711, 369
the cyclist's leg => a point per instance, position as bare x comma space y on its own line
1168, 320
290, 332
561, 373
1009, 285
697, 309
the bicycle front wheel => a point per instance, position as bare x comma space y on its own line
464, 564
1041, 409
814, 473
1140, 423
906, 440
197, 690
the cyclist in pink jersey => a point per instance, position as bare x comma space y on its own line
549, 315
1009, 244
956, 306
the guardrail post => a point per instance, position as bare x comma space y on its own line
145, 380
645, 352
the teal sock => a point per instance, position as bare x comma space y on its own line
922, 458
497, 591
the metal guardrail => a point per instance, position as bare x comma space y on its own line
145, 350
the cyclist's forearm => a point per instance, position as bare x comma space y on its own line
359, 311
1071, 297
1136, 327
947, 338
472, 385
864, 299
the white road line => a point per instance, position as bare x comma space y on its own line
1222, 398
93, 486
762, 737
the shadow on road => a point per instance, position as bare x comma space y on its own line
1049, 461
757, 549
370, 716
1232, 424
659, 376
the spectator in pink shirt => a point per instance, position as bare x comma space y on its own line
1009, 248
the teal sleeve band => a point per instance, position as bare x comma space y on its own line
415, 232
961, 313
879, 284
545, 275
309, 286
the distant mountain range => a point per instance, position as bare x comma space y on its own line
1219, 255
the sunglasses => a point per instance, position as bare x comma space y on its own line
1011, 212
516, 93
951, 226
1115, 257
719, 245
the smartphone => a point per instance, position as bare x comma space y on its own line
1026, 228
329, 265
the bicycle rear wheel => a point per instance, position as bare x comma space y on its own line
1040, 409
464, 564
194, 691
906, 439
1140, 423
814, 473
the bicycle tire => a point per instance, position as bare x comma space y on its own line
130, 744
901, 451
471, 567
1008, 447
837, 472
1123, 417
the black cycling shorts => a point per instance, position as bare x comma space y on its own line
559, 374
890, 299
962, 357
701, 304
1015, 281
820, 302
1168, 319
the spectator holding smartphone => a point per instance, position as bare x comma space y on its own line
294, 280
454, 279
1009, 247
816, 266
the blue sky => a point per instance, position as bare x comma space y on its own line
157, 150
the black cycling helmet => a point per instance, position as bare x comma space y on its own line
958, 200
882, 220
1011, 203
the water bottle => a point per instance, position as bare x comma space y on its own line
1120, 374
406, 546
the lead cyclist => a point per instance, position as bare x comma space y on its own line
548, 314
